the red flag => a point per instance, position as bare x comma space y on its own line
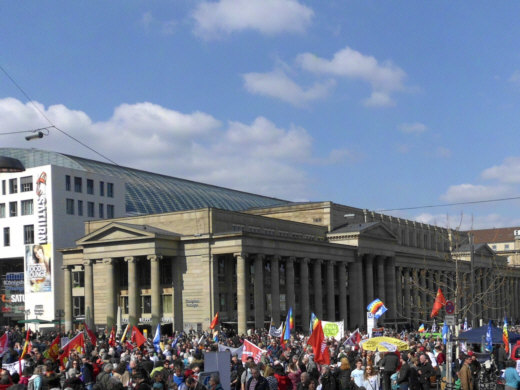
27, 345
77, 343
91, 335
214, 323
251, 350
54, 349
112, 338
4, 343
129, 345
137, 337
440, 301
319, 345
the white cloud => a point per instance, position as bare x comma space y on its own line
507, 172
472, 192
415, 127
383, 77
276, 84
258, 157
149, 22
265, 16
379, 99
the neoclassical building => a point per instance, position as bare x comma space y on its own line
181, 268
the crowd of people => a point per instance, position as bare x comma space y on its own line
282, 366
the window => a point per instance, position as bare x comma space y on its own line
506, 246
101, 210
70, 206
67, 182
26, 207
80, 207
110, 190
13, 209
77, 184
2, 210
494, 247
90, 186
3, 187
124, 304
90, 209
26, 184
78, 279
78, 306
167, 303
146, 304
165, 275
110, 211
13, 186
102, 188
7, 236
28, 234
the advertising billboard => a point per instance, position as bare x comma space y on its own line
38, 267
12, 297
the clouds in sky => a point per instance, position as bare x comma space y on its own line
384, 78
412, 128
259, 157
269, 17
278, 85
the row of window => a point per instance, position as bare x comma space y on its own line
78, 305
73, 207
28, 235
26, 208
26, 185
78, 186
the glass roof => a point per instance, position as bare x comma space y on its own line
150, 193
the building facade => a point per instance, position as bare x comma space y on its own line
504, 242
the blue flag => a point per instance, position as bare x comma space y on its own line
380, 312
157, 339
489, 339
445, 331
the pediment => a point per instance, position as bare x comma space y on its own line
115, 232
378, 231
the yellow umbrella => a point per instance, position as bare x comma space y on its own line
384, 344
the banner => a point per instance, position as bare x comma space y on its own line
249, 349
17, 366
4, 344
38, 267
333, 329
233, 351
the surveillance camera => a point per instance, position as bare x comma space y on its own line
39, 134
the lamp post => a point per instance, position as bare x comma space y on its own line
60, 313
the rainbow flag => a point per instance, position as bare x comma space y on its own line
422, 329
505, 336
374, 306
291, 318
286, 333
314, 322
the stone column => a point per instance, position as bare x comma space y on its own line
241, 293
355, 291
423, 294
317, 287
259, 292
390, 287
431, 291
155, 284
342, 293
399, 312
407, 306
331, 310
133, 291
89, 293
381, 279
229, 290
290, 300
304, 290
67, 284
415, 295
111, 293
369, 277
178, 314
275, 289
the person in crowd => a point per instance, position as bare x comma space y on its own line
357, 375
511, 376
465, 376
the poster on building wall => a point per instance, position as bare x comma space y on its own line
13, 298
38, 267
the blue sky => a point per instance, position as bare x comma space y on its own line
373, 104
